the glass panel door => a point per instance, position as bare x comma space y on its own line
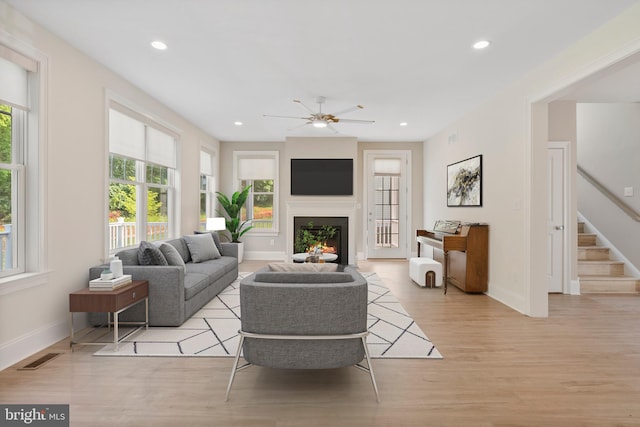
387, 178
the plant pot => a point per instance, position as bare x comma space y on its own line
240, 251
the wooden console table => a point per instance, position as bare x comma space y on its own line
116, 301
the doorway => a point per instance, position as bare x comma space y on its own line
387, 183
557, 193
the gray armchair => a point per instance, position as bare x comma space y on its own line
303, 320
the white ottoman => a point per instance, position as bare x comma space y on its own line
419, 267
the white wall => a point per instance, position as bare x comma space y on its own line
609, 150
259, 247
34, 318
511, 131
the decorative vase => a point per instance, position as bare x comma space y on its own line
116, 267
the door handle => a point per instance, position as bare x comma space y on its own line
559, 227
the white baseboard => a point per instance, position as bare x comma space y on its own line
574, 287
22, 347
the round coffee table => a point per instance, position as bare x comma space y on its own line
302, 257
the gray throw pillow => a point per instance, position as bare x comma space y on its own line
216, 238
149, 254
172, 255
202, 247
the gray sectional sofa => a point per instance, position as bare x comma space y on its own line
176, 291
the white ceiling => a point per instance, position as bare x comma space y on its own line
403, 60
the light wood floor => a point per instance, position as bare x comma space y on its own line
579, 367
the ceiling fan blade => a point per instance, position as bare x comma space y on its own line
332, 128
299, 126
348, 110
356, 121
285, 117
304, 106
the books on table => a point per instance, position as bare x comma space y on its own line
109, 284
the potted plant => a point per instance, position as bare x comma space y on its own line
232, 210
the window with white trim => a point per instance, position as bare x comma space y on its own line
260, 170
207, 187
142, 169
20, 166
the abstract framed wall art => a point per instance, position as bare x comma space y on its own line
464, 182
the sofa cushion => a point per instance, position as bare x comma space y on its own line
216, 238
182, 248
215, 267
302, 278
172, 255
201, 247
194, 283
149, 254
129, 256
307, 266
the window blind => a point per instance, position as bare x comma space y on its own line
126, 135
205, 163
256, 168
387, 166
14, 88
161, 148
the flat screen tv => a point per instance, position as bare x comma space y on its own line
322, 177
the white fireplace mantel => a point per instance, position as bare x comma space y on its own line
318, 209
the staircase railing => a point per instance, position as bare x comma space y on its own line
608, 194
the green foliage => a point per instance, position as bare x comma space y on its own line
307, 238
232, 208
122, 203
5, 157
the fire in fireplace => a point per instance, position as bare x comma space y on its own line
338, 243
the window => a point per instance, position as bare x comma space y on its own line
11, 196
260, 170
207, 187
387, 202
142, 169
21, 196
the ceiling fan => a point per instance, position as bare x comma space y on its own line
323, 120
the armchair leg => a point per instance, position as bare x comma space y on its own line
370, 368
235, 368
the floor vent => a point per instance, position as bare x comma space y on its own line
39, 362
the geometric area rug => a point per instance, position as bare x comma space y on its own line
213, 330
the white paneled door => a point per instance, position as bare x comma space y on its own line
555, 219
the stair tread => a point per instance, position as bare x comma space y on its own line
600, 261
612, 278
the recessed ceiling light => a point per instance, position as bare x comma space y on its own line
237, 123
404, 124
160, 45
481, 44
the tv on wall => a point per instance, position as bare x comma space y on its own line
322, 177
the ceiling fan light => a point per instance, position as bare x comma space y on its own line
319, 124
481, 44
159, 45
